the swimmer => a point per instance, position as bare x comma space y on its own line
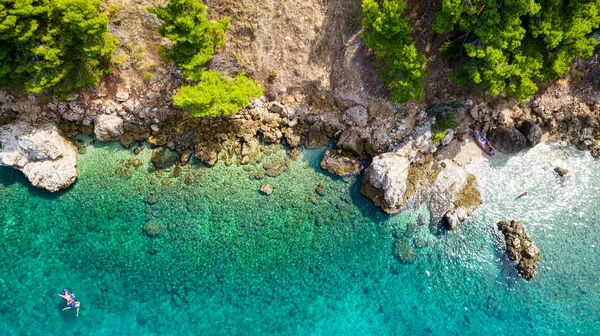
70, 300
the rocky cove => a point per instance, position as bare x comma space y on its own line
319, 91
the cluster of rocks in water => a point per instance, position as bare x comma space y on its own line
519, 248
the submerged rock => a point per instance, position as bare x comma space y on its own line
340, 163
163, 158
266, 188
520, 248
46, 158
152, 229
404, 252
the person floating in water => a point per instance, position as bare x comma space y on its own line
523, 194
70, 300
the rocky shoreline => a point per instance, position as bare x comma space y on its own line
403, 165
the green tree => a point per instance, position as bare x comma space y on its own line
195, 37
55, 45
388, 36
215, 94
513, 45
195, 41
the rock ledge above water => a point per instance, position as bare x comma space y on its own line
46, 158
520, 248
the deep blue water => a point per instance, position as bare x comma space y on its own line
229, 260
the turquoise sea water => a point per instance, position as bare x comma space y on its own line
230, 260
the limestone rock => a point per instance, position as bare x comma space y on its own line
507, 140
356, 116
520, 248
341, 164
46, 158
122, 96
384, 181
250, 150
108, 127
454, 195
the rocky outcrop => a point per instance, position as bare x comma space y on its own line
519, 248
316, 137
508, 140
351, 141
108, 127
393, 182
454, 195
385, 181
46, 158
340, 163
532, 132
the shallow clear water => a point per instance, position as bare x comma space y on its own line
230, 260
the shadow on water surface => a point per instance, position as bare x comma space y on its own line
10, 176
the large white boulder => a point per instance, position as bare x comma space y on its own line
108, 127
46, 158
384, 182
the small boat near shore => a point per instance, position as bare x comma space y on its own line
484, 143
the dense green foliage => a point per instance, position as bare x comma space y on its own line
513, 45
441, 125
195, 41
195, 37
388, 35
54, 45
216, 94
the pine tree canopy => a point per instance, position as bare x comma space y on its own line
58, 46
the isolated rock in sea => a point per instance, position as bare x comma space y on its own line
520, 248
532, 132
385, 181
108, 127
46, 158
508, 140
561, 171
340, 163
